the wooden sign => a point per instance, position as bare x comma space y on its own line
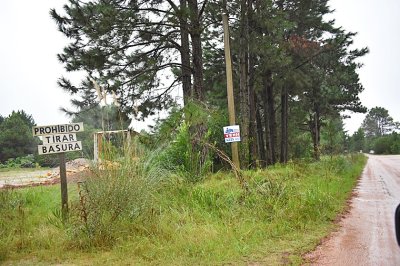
60, 139
57, 129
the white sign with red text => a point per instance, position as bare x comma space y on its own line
232, 133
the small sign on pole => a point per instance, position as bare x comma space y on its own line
57, 129
60, 139
60, 147
232, 134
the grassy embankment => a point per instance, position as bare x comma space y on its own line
143, 216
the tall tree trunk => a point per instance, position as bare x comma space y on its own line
315, 126
253, 124
260, 140
243, 85
269, 110
267, 134
284, 111
199, 130
185, 54
284, 125
197, 50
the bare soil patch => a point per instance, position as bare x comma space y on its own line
76, 169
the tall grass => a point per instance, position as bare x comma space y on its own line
140, 214
24, 225
118, 194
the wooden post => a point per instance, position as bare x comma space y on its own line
64, 188
100, 145
50, 146
95, 148
229, 88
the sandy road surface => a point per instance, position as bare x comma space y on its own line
33, 177
23, 178
366, 235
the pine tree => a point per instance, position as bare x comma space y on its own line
128, 46
139, 50
293, 70
288, 56
357, 141
322, 57
378, 123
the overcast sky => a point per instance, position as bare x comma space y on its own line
30, 41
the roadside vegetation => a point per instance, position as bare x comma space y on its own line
378, 133
19, 162
18, 147
169, 196
142, 213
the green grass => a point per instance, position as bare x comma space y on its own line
285, 213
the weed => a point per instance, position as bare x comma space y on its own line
113, 198
140, 214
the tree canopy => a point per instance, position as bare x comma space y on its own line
16, 139
378, 123
132, 49
377, 133
294, 71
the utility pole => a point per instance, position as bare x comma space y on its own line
229, 86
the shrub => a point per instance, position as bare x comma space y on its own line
382, 145
178, 156
182, 148
118, 193
47, 160
24, 162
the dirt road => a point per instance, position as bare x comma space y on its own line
17, 178
366, 235
33, 177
